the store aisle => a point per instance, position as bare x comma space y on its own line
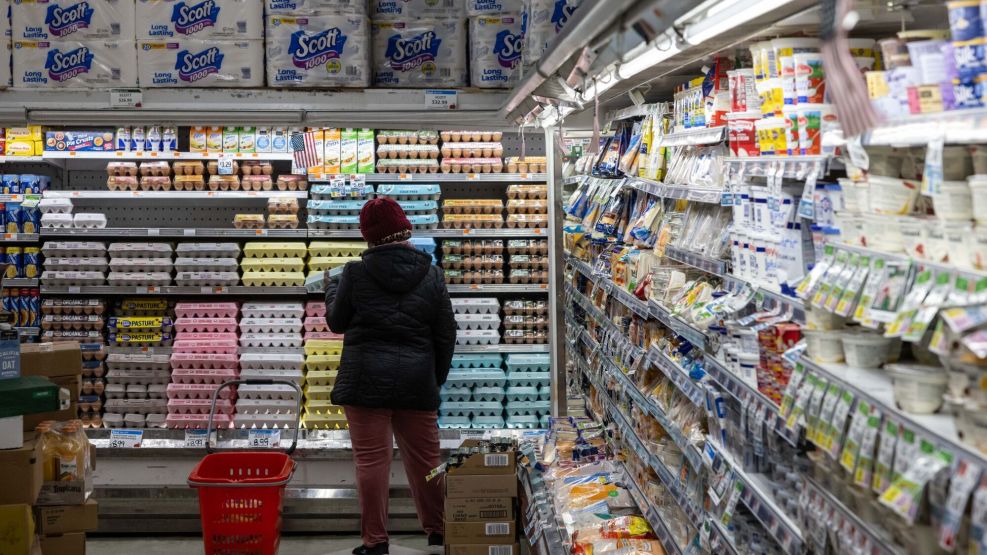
296, 545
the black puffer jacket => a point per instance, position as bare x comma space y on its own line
394, 308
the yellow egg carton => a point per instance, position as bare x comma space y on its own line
323, 408
322, 362
336, 248
323, 347
265, 249
317, 392
321, 377
325, 422
323, 263
273, 264
274, 279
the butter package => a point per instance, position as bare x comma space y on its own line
279, 140
200, 19
200, 63
308, 7
79, 141
496, 43
348, 151
74, 65
318, 51
333, 153
420, 53
72, 20
381, 10
494, 7
545, 20
24, 141
366, 158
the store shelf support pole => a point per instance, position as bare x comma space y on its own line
556, 254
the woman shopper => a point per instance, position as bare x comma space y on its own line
394, 310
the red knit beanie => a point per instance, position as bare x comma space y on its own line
383, 221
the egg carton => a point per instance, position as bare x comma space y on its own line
55, 206
467, 206
270, 340
140, 339
324, 347
545, 393
527, 192
324, 407
136, 406
476, 378
183, 361
419, 207
139, 279
280, 374
157, 390
477, 321
138, 361
93, 386
197, 376
529, 247
313, 323
351, 249
79, 336
274, 279
403, 152
315, 308
416, 192
531, 362
145, 377
57, 220
528, 262
208, 250
264, 421
471, 408
521, 307
322, 335
472, 277
472, 149
272, 361
206, 310
93, 369
525, 337
198, 421
487, 394
455, 422
462, 262
527, 221
89, 221
272, 310
72, 321
475, 247
160, 264
528, 408
525, 422
477, 337
324, 263
214, 346
477, 360
266, 406
523, 206
522, 393
325, 422
321, 377
478, 305
198, 391
73, 249
58, 277
322, 362
144, 306
208, 325
360, 191
155, 323
205, 336
529, 379
275, 391
199, 406
263, 249
115, 420
139, 250
472, 221
346, 223
82, 264
186, 264
72, 306
92, 352
131, 420
317, 392
207, 279
456, 394
115, 390
335, 207
407, 166
315, 283
294, 264
270, 325
488, 423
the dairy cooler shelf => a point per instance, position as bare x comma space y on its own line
175, 290
19, 237
697, 136
524, 348
675, 191
19, 282
882, 544
175, 232
499, 288
438, 233
173, 195
651, 514
174, 155
446, 178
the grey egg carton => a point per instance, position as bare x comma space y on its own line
73, 278
73, 249
479, 305
477, 337
266, 406
477, 321
128, 361
143, 377
272, 361
271, 325
156, 264
270, 340
207, 279
275, 391
296, 376
206, 264
472, 408
265, 421
272, 310
208, 250
139, 278
81, 264
137, 406
139, 250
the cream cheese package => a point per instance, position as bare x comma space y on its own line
410, 9
494, 7
496, 43
200, 19
309, 7
318, 51
72, 19
75, 65
198, 63
420, 53
544, 19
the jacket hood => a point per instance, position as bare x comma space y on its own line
397, 268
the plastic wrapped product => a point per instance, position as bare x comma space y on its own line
318, 51
91, 64
200, 19
419, 53
387, 10
495, 51
56, 20
494, 7
545, 20
199, 63
307, 7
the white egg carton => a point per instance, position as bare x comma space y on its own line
266, 406
197, 421
199, 406
157, 390
270, 325
276, 391
207, 279
186, 264
206, 310
136, 391
142, 361
272, 310
198, 391
210, 346
207, 325
115, 390
133, 420
477, 337
55, 206
136, 406
272, 361
112, 420
156, 421
57, 220
203, 361
73, 248
82, 264
479, 305
208, 250
265, 421
290, 375
270, 340
478, 321
89, 220
139, 278
201, 376
139, 250
73, 278
140, 264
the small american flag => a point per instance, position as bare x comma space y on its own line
303, 147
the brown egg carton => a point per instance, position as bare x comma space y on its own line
155, 168
400, 137
282, 205
257, 183
472, 221
471, 165
189, 183
459, 262
528, 262
527, 206
72, 322
474, 277
472, 150
93, 351
72, 306
525, 322
525, 337
190, 167
473, 246
93, 372
282, 221
407, 166
155, 183
527, 246
224, 183
122, 169
529, 277
290, 182
526, 221
408, 152
79, 336
256, 167
515, 307
527, 192
482, 206
122, 183
528, 164
248, 221
470, 136
93, 386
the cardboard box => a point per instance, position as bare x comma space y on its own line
503, 485
479, 509
482, 549
74, 385
12, 433
67, 519
66, 544
10, 359
51, 359
488, 533
16, 529
22, 473
485, 464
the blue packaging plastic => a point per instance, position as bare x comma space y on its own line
30, 184
30, 218
11, 182
965, 19
15, 262
12, 217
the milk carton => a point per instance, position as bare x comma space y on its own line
72, 19
263, 140
348, 151
197, 63
200, 19
494, 7
214, 139
420, 53
318, 51
381, 10
544, 20
196, 139
332, 151
279, 140
308, 7
71, 64
366, 158
496, 43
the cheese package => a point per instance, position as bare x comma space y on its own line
200, 19
198, 63
544, 20
72, 19
381, 10
495, 51
494, 7
420, 53
77, 65
308, 7
318, 51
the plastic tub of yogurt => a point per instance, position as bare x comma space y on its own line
953, 202
891, 196
918, 389
866, 350
824, 345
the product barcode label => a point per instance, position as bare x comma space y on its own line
500, 550
497, 529
495, 460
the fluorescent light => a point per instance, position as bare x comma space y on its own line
726, 16
647, 59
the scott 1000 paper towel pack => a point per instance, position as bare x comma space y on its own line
72, 19
200, 19
544, 19
495, 50
381, 10
309, 7
318, 51
494, 7
420, 53
200, 63
79, 65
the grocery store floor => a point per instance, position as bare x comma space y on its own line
293, 545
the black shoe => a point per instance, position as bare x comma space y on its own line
379, 549
436, 539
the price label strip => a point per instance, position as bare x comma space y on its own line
264, 439
126, 439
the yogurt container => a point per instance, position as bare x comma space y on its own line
964, 19
978, 194
810, 78
824, 345
812, 120
953, 201
742, 135
771, 136
918, 389
915, 236
866, 350
891, 196
883, 233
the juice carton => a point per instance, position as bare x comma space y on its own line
214, 139
332, 151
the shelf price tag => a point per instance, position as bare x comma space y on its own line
195, 439
126, 98
441, 99
126, 439
267, 439
224, 165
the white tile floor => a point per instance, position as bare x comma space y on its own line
291, 545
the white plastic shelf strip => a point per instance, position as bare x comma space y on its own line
791, 167
938, 267
502, 348
439, 233
19, 282
954, 127
20, 238
675, 191
697, 136
839, 516
446, 177
161, 155
499, 288
705, 263
175, 232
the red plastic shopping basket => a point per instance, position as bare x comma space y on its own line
241, 492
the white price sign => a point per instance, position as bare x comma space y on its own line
195, 439
440, 99
224, 165
126, 98
126, 439
264, 439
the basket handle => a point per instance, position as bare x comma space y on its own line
231, 383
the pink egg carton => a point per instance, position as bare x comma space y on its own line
199, 406
194, 360
317, 335
205, 336
210, 346
197, 421
315, 323
315, 308
272, 310
271, 325
270, 340
206, 310
212, 325
202, 376
272, 361
198, 391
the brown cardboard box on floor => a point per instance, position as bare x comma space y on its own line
22, 473
66, 544
484, 463
67, 519
482, 549
488, 533
51, 359
74, 384
479, 509
502, 485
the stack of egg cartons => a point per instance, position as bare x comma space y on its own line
337, 205
477, 320
204, 356
529, 392
473, 394
326, 255
323, 353
140, 264
135, 370
275, 331
81, 320
272, 264
138, 401
74, 263
207, 264
419, 202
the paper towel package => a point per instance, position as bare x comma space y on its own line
318, 51
494, 7
201, 63
200, 19
420, 53
309, 7
544, 20
381, 10
72, 19
495, 50
75, 65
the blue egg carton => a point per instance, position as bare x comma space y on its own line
455, 394
533, 362
447, 422
529, 379
476, 378
430, 221
347, 192
523, 422
546, 419
534, 408
419, 206
335, 207
472, 408
476, 361
545, 393
488, 394
334, 222
488, 422
425, 244
424, 191
522, 393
